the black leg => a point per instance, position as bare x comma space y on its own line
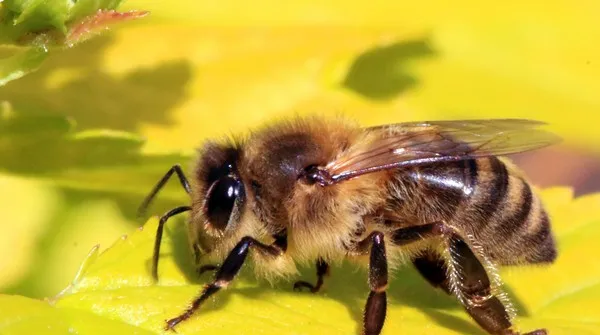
161, 183
375, 308
159, 233
322, 271
408, 235
484, 307
206, 268
433, 268
472, 282
231, 266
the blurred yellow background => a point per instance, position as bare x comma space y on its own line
198, 69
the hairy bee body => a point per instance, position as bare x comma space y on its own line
323, 190
486, 199
319, 222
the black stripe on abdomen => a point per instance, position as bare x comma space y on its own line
495, 191
540, 244
498, 188
511, 225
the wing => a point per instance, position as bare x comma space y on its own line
414, 143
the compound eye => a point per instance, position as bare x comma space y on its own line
221, 199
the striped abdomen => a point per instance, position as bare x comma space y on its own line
484, 198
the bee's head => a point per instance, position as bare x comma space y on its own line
219, 198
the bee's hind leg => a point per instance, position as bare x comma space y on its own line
322, 271
471, 281
474, 284
433, 268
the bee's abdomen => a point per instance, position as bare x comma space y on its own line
506, 217
485, 199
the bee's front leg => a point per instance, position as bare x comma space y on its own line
206, 268
175, 169
228, 270
159, 232
201, 269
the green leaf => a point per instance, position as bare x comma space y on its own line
21, 236
21, 63
44, 24
114, 289
12, 124
21, 17
32, 15
50, 147
48, 230
29, 316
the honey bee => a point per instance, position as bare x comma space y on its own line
312, 189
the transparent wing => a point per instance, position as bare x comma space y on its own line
413, 143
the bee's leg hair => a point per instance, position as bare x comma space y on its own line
159, 233
228, 270
161, 183
322, 271
375, 308
472, 284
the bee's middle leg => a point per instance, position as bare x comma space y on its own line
375, 308
322, 271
